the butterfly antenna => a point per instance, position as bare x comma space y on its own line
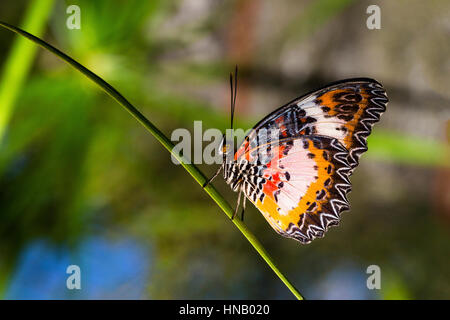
231, 100
233, 94
235, 87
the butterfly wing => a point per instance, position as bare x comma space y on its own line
345, 110
301, 156
301, 188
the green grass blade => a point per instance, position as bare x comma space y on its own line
20, 59
191, 168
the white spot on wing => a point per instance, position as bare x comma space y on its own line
307, 100
302, 174
324, 126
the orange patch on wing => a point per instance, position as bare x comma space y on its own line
280, 122
329, 100
243, 149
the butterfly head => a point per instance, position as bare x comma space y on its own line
229, 165
226, 148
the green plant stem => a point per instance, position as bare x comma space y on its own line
191, 168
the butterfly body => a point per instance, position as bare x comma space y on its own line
295, 164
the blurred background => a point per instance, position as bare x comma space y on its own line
81, 182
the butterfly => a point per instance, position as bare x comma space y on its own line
295, 164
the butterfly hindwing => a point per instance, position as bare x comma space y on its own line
302, 190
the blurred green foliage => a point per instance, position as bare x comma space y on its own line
73, 163
20, 59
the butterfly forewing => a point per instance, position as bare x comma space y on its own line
346, 111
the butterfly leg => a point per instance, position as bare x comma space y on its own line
237, 205
243, 208
212, 178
